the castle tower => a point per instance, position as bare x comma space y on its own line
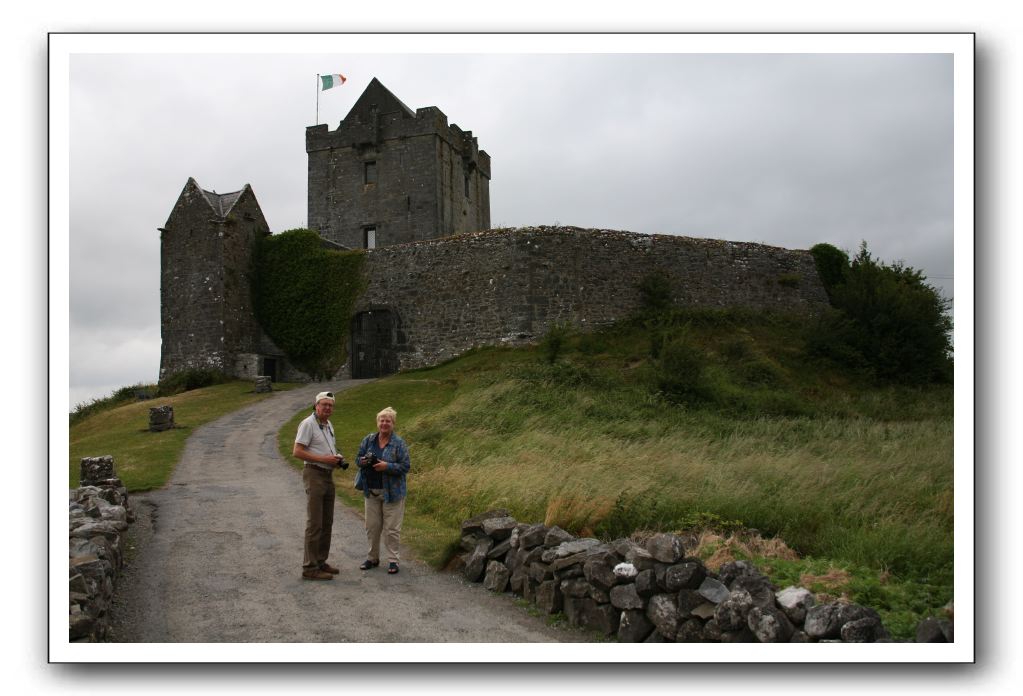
389, 175
206, 313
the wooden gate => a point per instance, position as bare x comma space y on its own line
373, 344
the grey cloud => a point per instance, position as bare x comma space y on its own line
788, 150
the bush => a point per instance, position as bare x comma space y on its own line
889, 320
681, 372
553, 342
738, 349
187, 380
120, 397
593, 344
761, 371
832, 265
655, 293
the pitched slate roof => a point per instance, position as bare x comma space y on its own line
222, 202
376, 95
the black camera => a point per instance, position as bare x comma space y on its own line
367, 461
343, 464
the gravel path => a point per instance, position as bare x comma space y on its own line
218, 552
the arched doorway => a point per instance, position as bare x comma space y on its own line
374, 344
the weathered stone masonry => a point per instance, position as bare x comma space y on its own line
439, 281
98, 515
206, 313
653, 592
509, 286
407, 175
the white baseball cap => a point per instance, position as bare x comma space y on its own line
329, 396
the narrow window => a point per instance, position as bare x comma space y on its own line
370, 173
370, 238
467, 185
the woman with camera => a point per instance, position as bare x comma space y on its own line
383, 461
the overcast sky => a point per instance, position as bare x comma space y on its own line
784, 149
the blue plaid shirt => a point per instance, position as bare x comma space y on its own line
398, 464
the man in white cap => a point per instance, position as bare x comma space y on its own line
316, 446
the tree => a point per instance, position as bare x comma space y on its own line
889, 317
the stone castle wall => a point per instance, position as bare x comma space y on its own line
510, 286
192, 287
431, 179
206, 262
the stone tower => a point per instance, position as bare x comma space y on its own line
389, 175
206, 312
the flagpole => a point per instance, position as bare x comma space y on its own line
317, 100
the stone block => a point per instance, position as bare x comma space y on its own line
666, 548
626, 597
474, 525
499, 528
497, 576
161, 418
548, 597
634, 626
95, 469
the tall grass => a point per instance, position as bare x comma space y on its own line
851, 474
591, 448
590, 459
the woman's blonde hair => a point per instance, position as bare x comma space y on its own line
389, 412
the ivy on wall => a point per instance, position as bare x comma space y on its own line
304, 295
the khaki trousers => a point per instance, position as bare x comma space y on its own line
383, 518
319, 490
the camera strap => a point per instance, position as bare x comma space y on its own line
325, 438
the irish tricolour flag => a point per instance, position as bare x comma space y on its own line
332, 81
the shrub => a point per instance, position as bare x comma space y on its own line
121, 396
658, 337
832, 265
593, 344
738, 349
681, 371
761, 371
655, 293
187, 380
553, 342
889, 319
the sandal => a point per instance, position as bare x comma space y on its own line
392, 568
367, 564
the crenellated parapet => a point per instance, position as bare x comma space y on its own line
390, 175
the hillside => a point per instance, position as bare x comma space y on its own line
729, 428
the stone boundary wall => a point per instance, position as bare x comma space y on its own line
510, 286
98, 517
655, 593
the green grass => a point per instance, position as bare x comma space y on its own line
144, 460
850, 473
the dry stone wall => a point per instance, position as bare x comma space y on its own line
655, 592
511, 286
98, 517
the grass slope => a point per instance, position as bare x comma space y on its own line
855, 477
144, 460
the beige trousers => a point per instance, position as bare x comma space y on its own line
383, 518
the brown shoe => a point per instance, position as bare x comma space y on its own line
329, 568
316, 574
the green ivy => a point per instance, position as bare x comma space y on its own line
304, 295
